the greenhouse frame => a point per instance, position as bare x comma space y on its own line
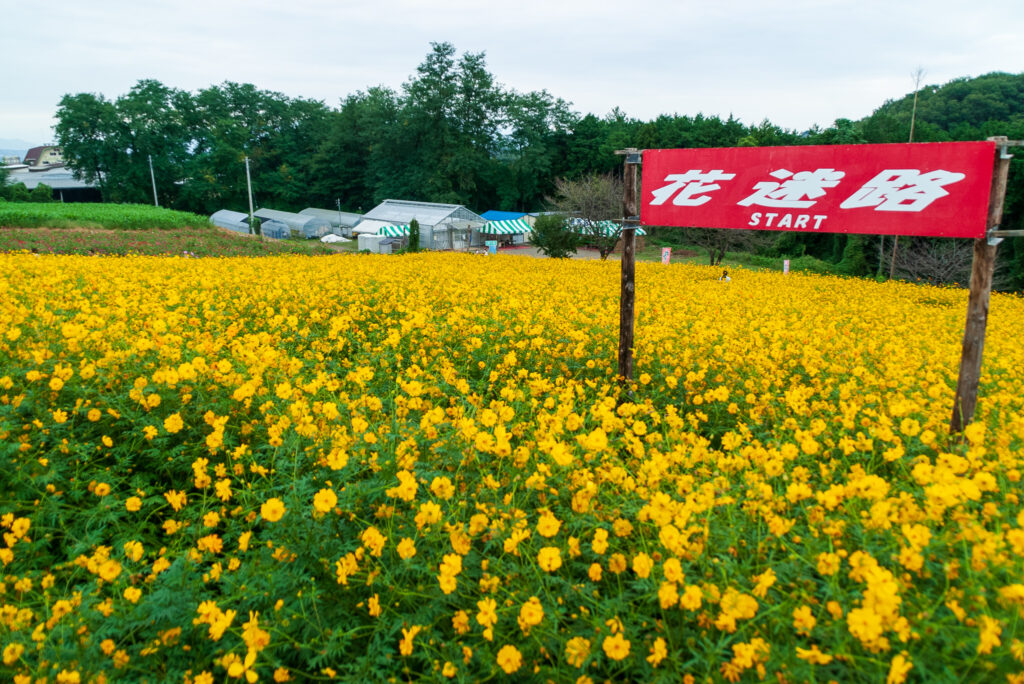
306, 226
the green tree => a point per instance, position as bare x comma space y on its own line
537, 125
358, 154
552, 236
592, 202
86, 131
414, 236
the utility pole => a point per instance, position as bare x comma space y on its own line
917, 76
152, 177
248, 184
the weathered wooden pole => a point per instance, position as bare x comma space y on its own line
627, 298
982, 269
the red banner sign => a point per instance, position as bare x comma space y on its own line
932, 189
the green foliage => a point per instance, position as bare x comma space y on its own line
202, 138
41, 193
186, 242
552, 237
854, 261
112, 216
15, 192
255, 225
414, 236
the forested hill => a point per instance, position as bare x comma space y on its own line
963, 109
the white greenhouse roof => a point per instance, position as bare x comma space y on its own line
335, 218
58, 178
426, 213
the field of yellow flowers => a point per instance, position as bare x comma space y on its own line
421, 467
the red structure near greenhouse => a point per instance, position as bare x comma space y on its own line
924, 189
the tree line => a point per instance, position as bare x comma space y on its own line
453, 134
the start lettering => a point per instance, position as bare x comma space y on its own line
793, 221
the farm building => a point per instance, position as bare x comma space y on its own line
342, 222
442, 226
61, 180
307, 226
239, 223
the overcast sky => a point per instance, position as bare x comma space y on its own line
796, 62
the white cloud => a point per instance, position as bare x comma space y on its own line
797, 64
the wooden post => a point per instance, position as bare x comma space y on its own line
627, 298
982, 269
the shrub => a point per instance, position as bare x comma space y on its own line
553, 237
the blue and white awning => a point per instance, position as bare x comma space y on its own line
510, 227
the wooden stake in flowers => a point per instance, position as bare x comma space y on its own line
982, 268
627, 299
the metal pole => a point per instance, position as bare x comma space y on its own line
152, 177
248, 184
982, 269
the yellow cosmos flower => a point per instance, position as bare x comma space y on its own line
659, 651
509, 658
616, 647
272, 510
549, 558
548, 525
577, 650
405, 646
173, 423
12, 653
406, 548
442, 488
325, 500
109, 570
898, 669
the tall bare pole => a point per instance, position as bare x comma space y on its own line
917, 76
152, 177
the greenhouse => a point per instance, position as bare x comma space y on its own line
232, 220
342, 222
442, 226
306, 226
238, 222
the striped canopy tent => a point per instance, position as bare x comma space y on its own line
510, 227
393, 231
604, 227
